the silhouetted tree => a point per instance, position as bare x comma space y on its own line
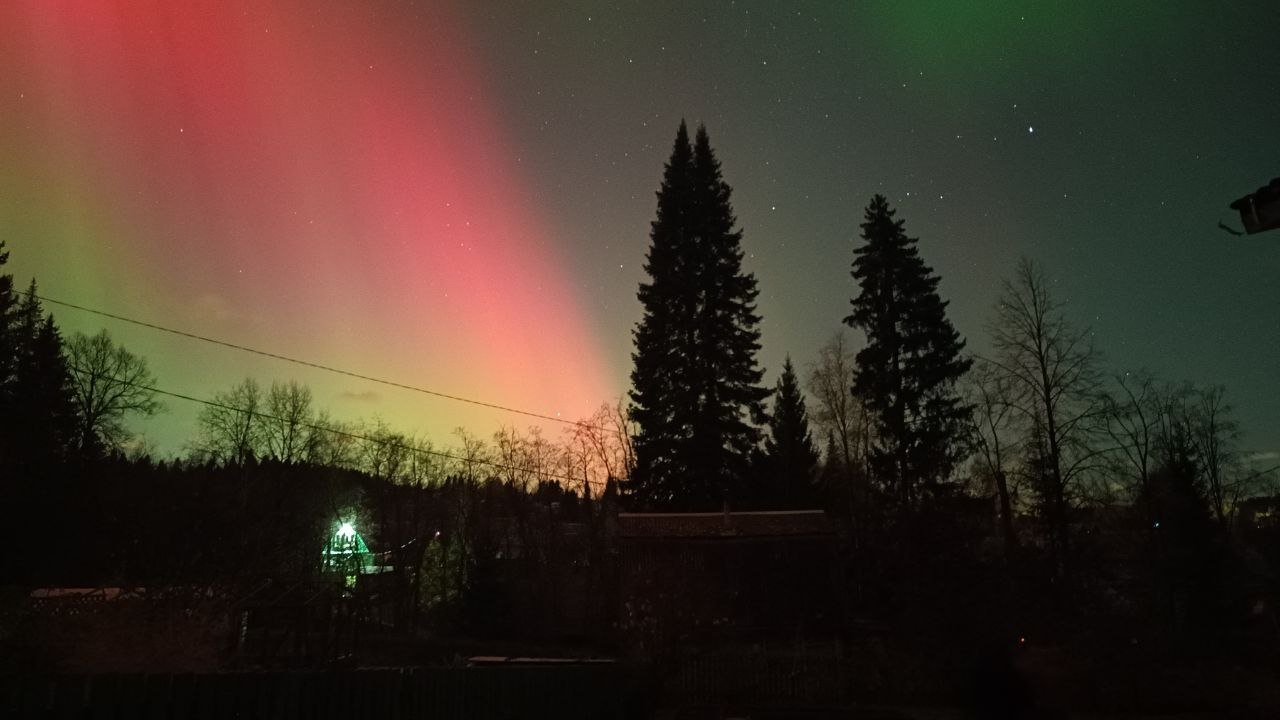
231, 428
790, 461
524, 460
1214, 432
993, 426
37, 424
39, 415
599, 449
1184, 551
831, 476
8, 338
110, 382
385, 453
908, 371
844, 419
288, 426
332, 443
1052, 371
1133, 414
695, 391
837, 411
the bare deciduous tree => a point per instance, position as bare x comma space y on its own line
385, 453
840, 415
474, 456
598, 449
1215, 434
1202, 417
231, 426
109, 383
989, 391
426, 468
332, 443
1134, 414
525, 460
287, 425
1052, 369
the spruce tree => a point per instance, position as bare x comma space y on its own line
907, 373
1184, 547
8, 319
695, 384
37, 413
833, 470
9, 308
43, 410
790, 460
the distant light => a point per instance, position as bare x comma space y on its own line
1156, 524
346, 530
1031, 129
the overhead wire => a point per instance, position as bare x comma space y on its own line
322, 366
340, 432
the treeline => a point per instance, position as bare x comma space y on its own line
471, 532
1029, 487
262, 484
282, 423
1031, 490
71, 400
1083, 500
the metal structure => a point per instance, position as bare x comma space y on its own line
1260, 211
346, 554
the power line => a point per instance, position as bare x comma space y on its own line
336, 431
321, 366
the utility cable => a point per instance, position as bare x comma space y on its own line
320, 366
336, 431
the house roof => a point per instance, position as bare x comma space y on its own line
788, 523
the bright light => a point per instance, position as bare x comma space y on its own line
346, 531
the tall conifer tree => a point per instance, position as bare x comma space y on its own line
908, 371
9, 310
695, 384
40, 411
790, 458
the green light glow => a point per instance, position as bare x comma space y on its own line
346, 554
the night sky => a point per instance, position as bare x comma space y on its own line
458, 196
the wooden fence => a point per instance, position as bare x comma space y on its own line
479, 693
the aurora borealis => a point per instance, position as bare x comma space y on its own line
457, 195
332, 187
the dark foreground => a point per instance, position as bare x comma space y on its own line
562, 692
